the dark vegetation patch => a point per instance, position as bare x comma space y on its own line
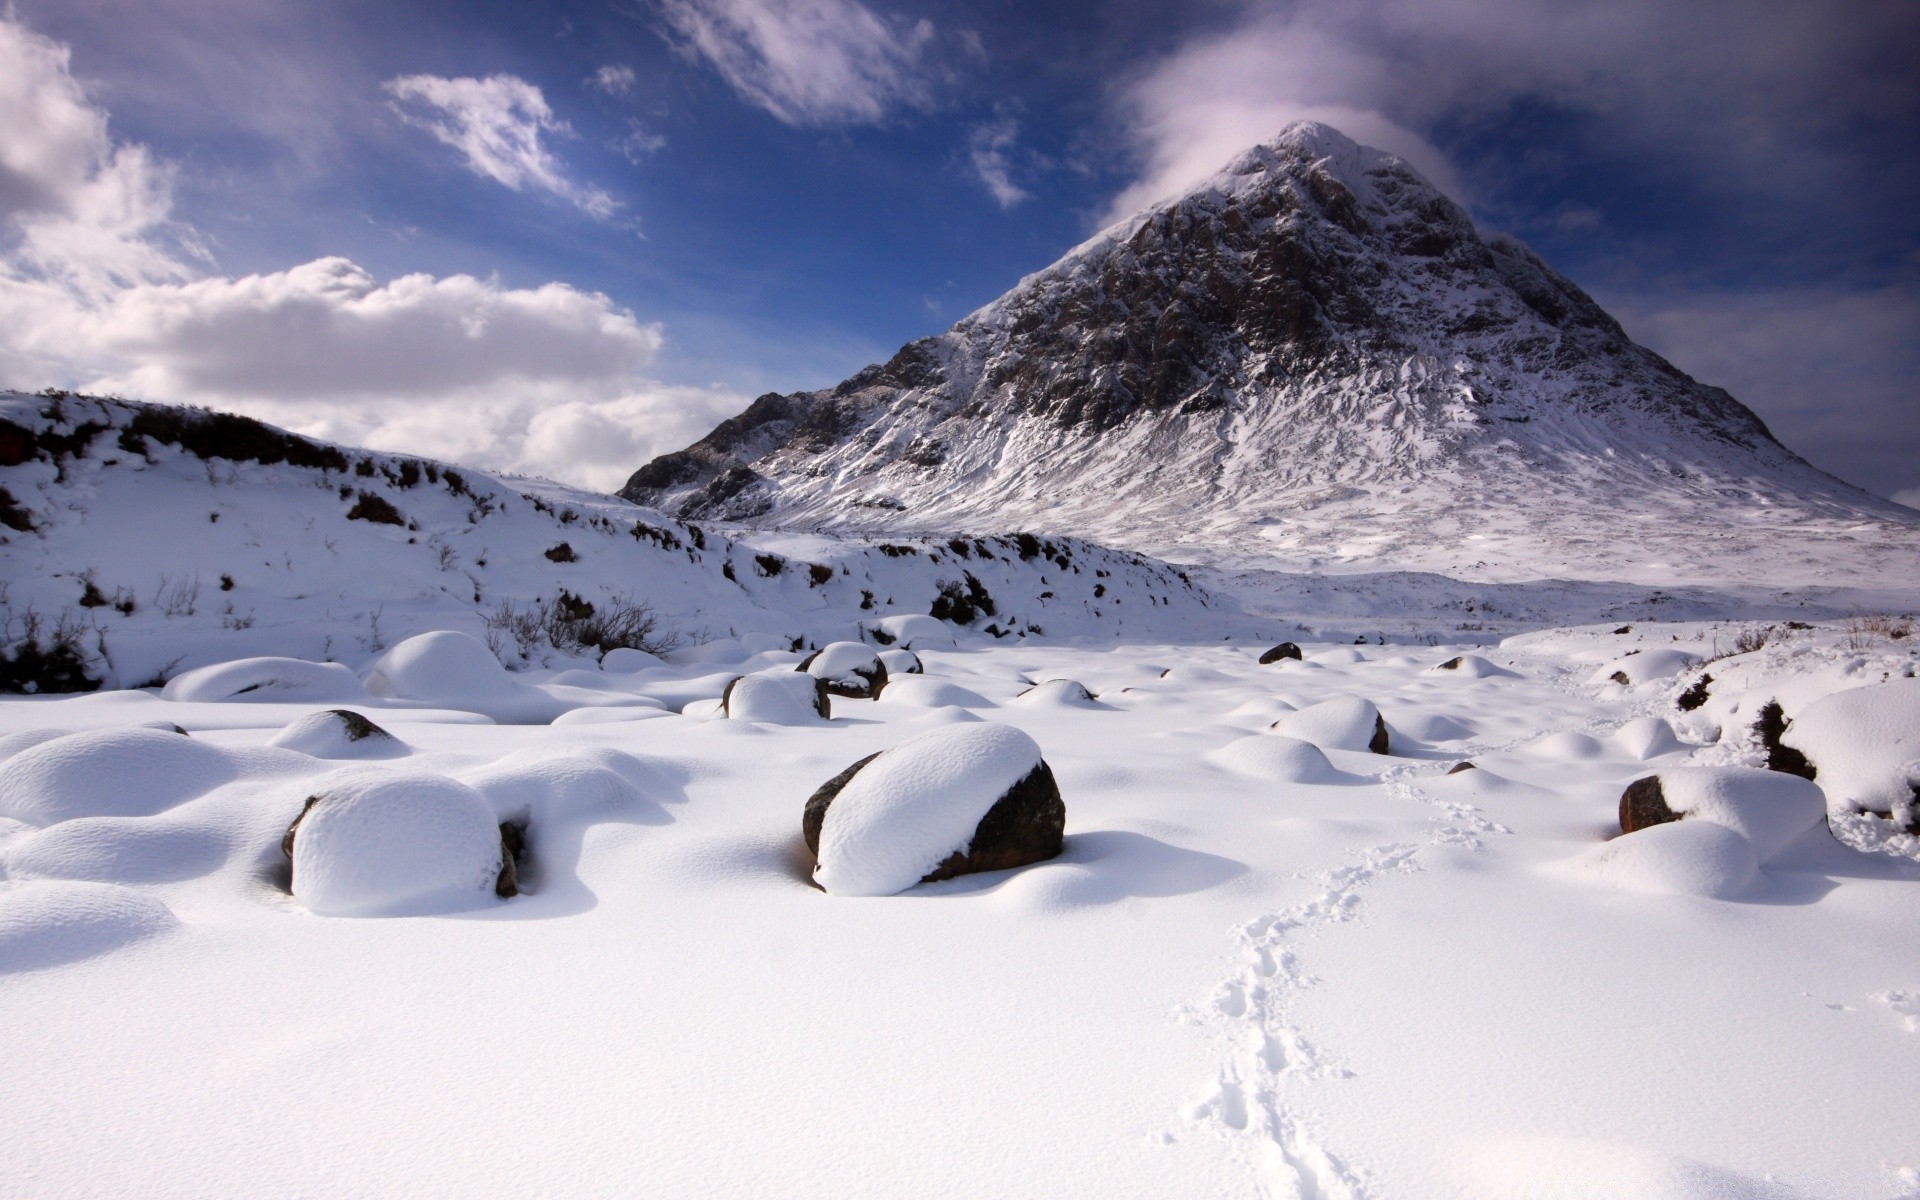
563, 553
376, 508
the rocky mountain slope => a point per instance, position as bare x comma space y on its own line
1312, 360
138, 541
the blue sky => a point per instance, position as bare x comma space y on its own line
561, 238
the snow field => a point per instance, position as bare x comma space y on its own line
1384, 980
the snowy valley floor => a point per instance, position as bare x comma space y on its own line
1389, 981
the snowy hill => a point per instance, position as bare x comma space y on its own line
156, 539
1312, 360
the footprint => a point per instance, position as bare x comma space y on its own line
1904, 1004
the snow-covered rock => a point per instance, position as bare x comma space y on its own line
274, 680
1689, 858
440, 667
1056, 693
1339, 723
1468, 666
1769, 808
1865, 745
1644, 667
778, 698
1646, 737
921, 691
339, 733
1281, 759
960, 799
625, 660
902, 662
109, 773
388, 845
850, 669
917, 631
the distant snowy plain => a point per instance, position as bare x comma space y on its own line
1256, 969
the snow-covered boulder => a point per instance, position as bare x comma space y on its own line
849, 669
1057, 693
1285, 650
1469, 666
46, 923
902, 662
272, 680
339, 733
625, 660
777, 699
918, 691
442, 667
128, 772
1864, 744
1280, 759
382, 845
719, 653
918, 631
1770, 809
1688, 858
950, 801
1339, 723
1646, 666
1646, 737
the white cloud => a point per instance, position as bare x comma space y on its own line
548, 380
987, 154
615, 79
1706, 84
497, 123
637, 142
810, 62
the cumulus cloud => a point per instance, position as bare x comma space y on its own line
809, 62
1706, 84
497, 123
95, 294
988, 148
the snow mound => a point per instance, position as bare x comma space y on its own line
1579, 1169
1683, 858
1646, 737
911, 807
1057, 693
849, 668
388, 845
1469, 666
1644, 667
47, 923
1769, 808
1339, 657
1339, 723
128, 772
534, 788
1566, 745
625, 660
726, 651
1432, 727
13, 743
783, 698
117, 850
902, 662
917, 631
611, 716
442, 667
1279, 758
918, 691
274, 680
1864, 744
339, 733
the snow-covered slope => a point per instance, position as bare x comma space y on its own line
1311, 360
159, 539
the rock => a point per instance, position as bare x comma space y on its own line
1339, 723
902, 662
849, 669
1768, 808
1070, 693
951, 801
1696, 695
1769, 726
393, 844
777, 699
1864, 743
1282, 651
1461, 766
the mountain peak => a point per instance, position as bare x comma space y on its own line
1314, 334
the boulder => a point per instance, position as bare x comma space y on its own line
850, 669
902, 662
1283, 651
951, 801
777, 699
1053, 693
127, 772
1864, 744
1768, 808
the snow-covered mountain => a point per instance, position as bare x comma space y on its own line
1312, 359
149, 540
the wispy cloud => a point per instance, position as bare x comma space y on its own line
497, 123
988, 148
810, 62
615, 79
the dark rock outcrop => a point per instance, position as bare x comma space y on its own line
1283, 651
1644, 805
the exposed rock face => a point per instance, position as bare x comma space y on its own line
1768, 726
1259, 363
847, 669
1643, 805
1283, 650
